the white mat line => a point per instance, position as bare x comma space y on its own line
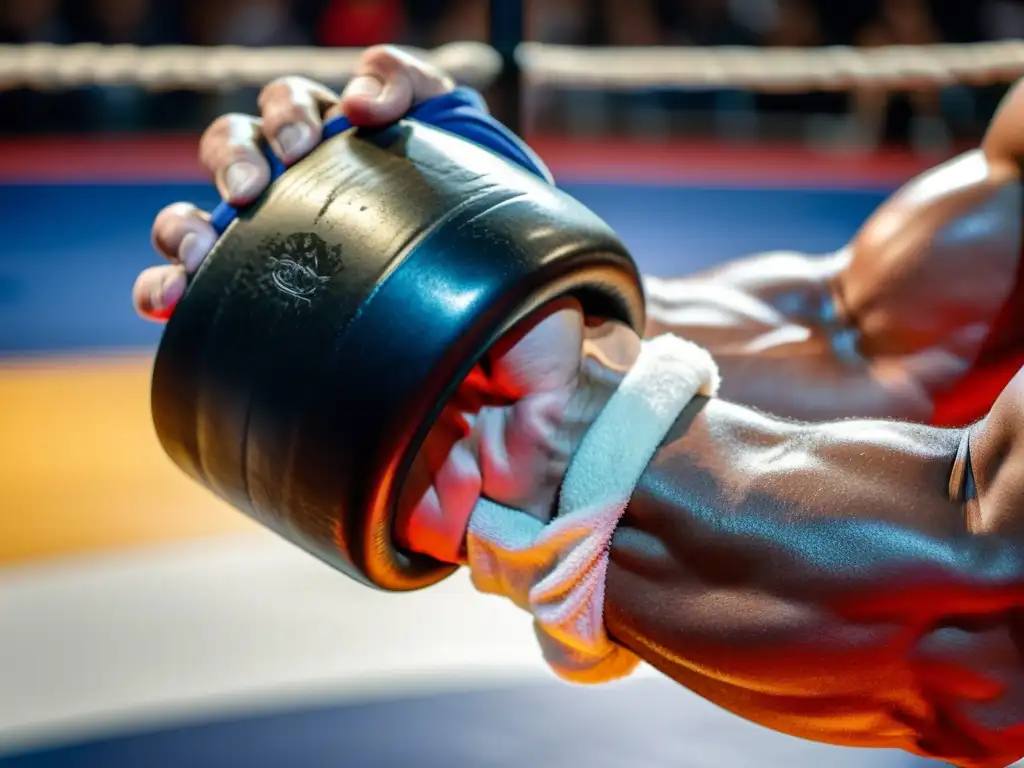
158, 636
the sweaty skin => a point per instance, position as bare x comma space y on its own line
916, 318
829, 581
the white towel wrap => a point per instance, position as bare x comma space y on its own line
556, 571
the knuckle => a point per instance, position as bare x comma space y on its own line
380, 50
284, 112
170, 224
176, 211
169, 216
384, 58
275, 89
290, 89
388, 61
218, 129
227, 134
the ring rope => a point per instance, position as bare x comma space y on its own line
45, 66
772, 69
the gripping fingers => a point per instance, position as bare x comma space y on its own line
158, 290
291, 109
230, 151
440, 493
182, 234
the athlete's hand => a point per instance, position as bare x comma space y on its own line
388, 83
514, 423
512, 427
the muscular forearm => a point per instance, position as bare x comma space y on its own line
812, 373
747, 293
818, 579
801, 374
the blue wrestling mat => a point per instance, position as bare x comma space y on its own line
71, 252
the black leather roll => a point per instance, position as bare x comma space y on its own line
316, 345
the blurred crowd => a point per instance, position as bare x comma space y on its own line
923, 117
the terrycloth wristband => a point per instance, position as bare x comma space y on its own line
556, 571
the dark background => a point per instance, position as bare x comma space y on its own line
927, 119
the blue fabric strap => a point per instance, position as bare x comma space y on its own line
462, 112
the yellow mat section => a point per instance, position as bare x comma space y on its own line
81, 466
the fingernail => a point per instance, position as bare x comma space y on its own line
156, 296
240, 179
165, 294
365, 86
293, 139
194, 248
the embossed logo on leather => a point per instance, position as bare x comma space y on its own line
298, 270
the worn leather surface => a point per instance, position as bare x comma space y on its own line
316, 345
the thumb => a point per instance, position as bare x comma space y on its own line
388, 83
381, 91
370, 100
